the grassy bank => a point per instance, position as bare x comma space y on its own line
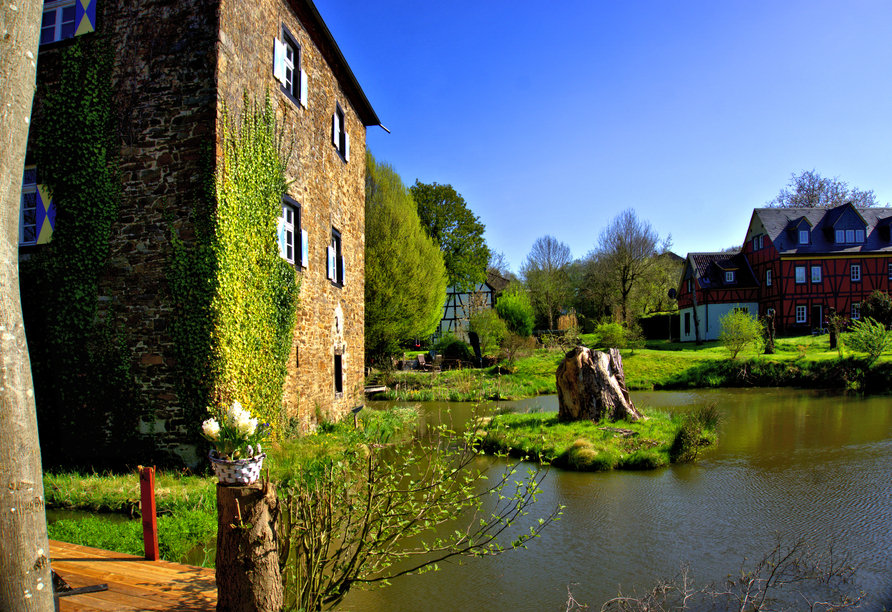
660, 439
187, 504
804, 361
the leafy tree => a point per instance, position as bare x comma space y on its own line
23, 539
516, 311
739, 330
811, 190
546, 274
878, 306
447, 219
869, 336
405, 278
490, 329
626, 252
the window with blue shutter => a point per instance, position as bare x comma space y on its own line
63, 19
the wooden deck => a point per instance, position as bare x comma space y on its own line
133, 583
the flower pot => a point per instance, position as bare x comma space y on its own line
239, 472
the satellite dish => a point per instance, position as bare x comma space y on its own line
672, 294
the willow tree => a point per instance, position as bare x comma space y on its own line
405, 278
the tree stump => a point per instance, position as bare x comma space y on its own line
248, 578
591, 385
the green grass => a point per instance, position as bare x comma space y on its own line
187, 504
587, 446
805, 361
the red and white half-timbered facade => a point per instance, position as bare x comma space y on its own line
797, 262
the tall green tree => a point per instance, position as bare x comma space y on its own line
26, 585
405, 277
448, 220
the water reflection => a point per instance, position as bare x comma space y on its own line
798, 463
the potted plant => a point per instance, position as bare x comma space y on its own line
237, 454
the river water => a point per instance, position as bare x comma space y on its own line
792, 463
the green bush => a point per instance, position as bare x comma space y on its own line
878, 306
452, 347
611, 335
869, 336
516, 311
739, 330
490, 329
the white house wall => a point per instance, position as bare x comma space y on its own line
710, 316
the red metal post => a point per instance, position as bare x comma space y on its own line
149, 517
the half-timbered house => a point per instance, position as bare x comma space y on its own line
804, 262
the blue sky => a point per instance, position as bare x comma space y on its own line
552, 118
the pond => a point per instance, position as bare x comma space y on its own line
793, 463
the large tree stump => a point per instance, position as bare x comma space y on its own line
248, 578
591, 385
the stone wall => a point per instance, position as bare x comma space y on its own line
330, 191
177, 61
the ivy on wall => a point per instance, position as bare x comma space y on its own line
235, 296
81, 365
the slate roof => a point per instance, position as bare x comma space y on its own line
777, 222
711, 268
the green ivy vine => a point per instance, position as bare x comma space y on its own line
81, 365
234, 296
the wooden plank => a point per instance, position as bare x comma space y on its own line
134, 583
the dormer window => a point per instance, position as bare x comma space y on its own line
803, 236
849, 236
729, 276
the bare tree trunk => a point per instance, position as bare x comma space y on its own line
592, 386
25, 584
248, 577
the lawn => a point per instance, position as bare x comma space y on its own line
804, 361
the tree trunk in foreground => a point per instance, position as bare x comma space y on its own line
25, 584
592, 386
248, 578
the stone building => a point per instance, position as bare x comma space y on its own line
177, 64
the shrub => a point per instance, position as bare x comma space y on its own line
878, 306
517, 312
515, 346
452, 347
869, 336
686, 444
739, 330
611, 335
489, 328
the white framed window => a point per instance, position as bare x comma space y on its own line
800, 274
855, 273
768, 277
336, 268
339, 136
287, 68
28, 230
803, 236
856, 311
729, 276
758, 242
851, 236
801, 314
58, 21
816, 274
